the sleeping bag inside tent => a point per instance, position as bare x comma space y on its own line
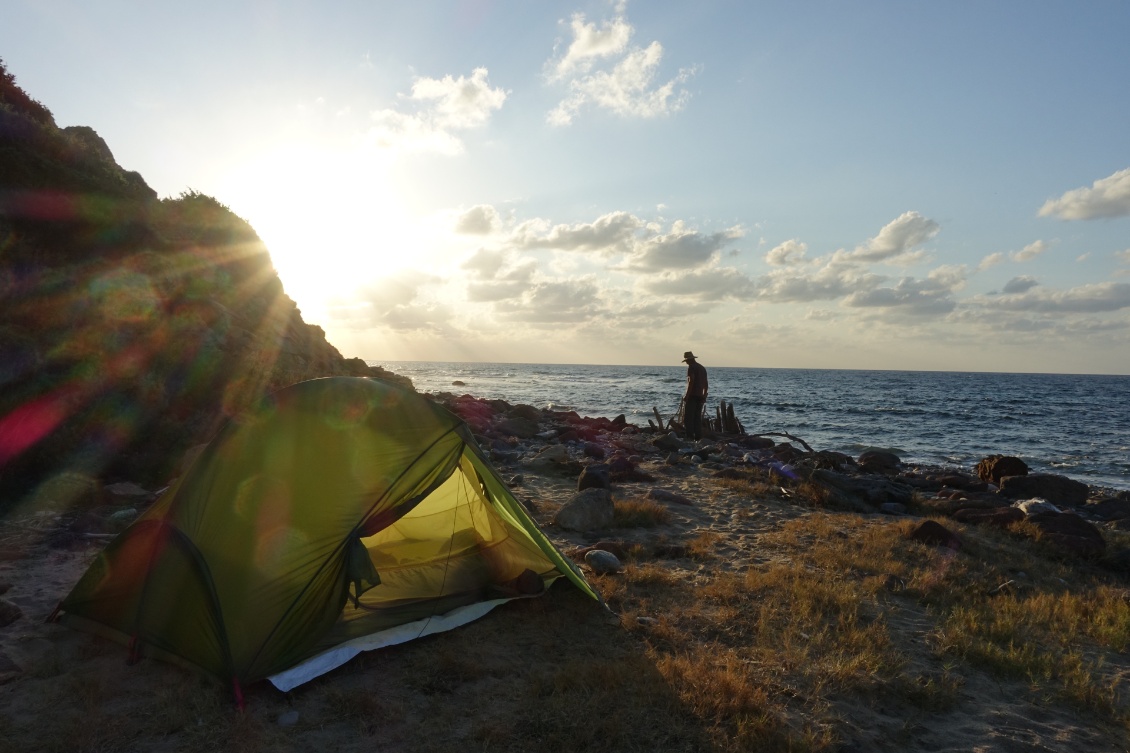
345, 514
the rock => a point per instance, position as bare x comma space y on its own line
458, 383
119, 520
668, 442
1109, 508
1118, 561
593, 450
672, 458
1001, 517
1059, 490
995, 467
616, 547
755, 443
1034, 506
602, 562
288, 718
68, 491
125, 492
555, 453
587, 510
879, 461
528, 412
5, 587
960, 481
517, 427
1070, 533
9, 613
594, 477
516, 480
875, 491
892, 508
9, 670
932, 532
662, 495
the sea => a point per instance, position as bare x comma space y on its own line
1077, 425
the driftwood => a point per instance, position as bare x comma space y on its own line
786, 435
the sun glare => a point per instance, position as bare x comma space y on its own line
331, 220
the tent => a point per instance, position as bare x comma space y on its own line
345, 514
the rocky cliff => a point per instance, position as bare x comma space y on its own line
130, 326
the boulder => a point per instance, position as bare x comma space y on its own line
1001, 517
9, 613
588, 510
667, 442
1034, 506
594, 476
528, 412
879, 461
555, 453
1070, 533
932, 532
1109, 508
602, 562
995, 467
875, 491
593, 450
1058, 490
517, 427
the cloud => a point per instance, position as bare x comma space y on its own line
914, 297
714, 284
624, 85
991, 260
1123, 256
485, 263
679, 249
591, 43
1087, 299
897, 238
392, 303
1107, 197
1021, 284
1029, 252
610, 233
788, 253
501, 285
822, 283
478, 220
644, 247
553, 303
448, 104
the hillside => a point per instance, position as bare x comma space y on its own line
130, 326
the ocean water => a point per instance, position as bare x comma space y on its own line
1076, 425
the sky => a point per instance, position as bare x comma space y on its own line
864, 185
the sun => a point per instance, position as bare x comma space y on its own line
332, 220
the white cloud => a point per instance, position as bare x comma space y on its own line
600, 69
1030, 252
478, 220
991, 260
609, 234
460, 102
896, 240
448, 104
1107, 197
393, 303
1021, 284
788, 253
554, 303
910, 296
1123, 256
644, 245
713, 284
1089, 299
814, 283
679, 249
591, 43
485, 263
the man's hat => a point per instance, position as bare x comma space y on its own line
688, 356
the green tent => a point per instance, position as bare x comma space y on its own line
345, 514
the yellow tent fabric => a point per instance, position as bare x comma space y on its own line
344, 508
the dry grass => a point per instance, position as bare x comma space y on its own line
831, 628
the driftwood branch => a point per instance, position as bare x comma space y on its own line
786, 435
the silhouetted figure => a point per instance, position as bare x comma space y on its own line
695, 398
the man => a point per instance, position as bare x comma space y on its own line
695, 398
